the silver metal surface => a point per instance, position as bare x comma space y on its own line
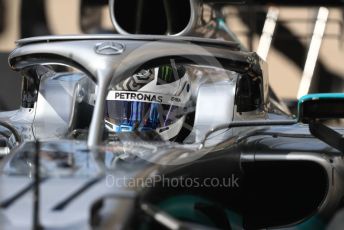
58, 98
109, 48
248, 123
147, 38
106, 69
215, 107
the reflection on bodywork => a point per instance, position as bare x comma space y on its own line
58, 159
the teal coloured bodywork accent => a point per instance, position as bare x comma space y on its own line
317, 96
222, 24
314, 223
183, 207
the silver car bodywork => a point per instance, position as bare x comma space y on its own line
77, 175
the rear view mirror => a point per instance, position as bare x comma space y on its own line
321, 106
315, 107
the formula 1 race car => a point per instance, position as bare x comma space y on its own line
163, 132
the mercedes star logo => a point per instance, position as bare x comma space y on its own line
109, 48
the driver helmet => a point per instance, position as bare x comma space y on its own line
156, 99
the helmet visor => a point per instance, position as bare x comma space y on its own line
129, 111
